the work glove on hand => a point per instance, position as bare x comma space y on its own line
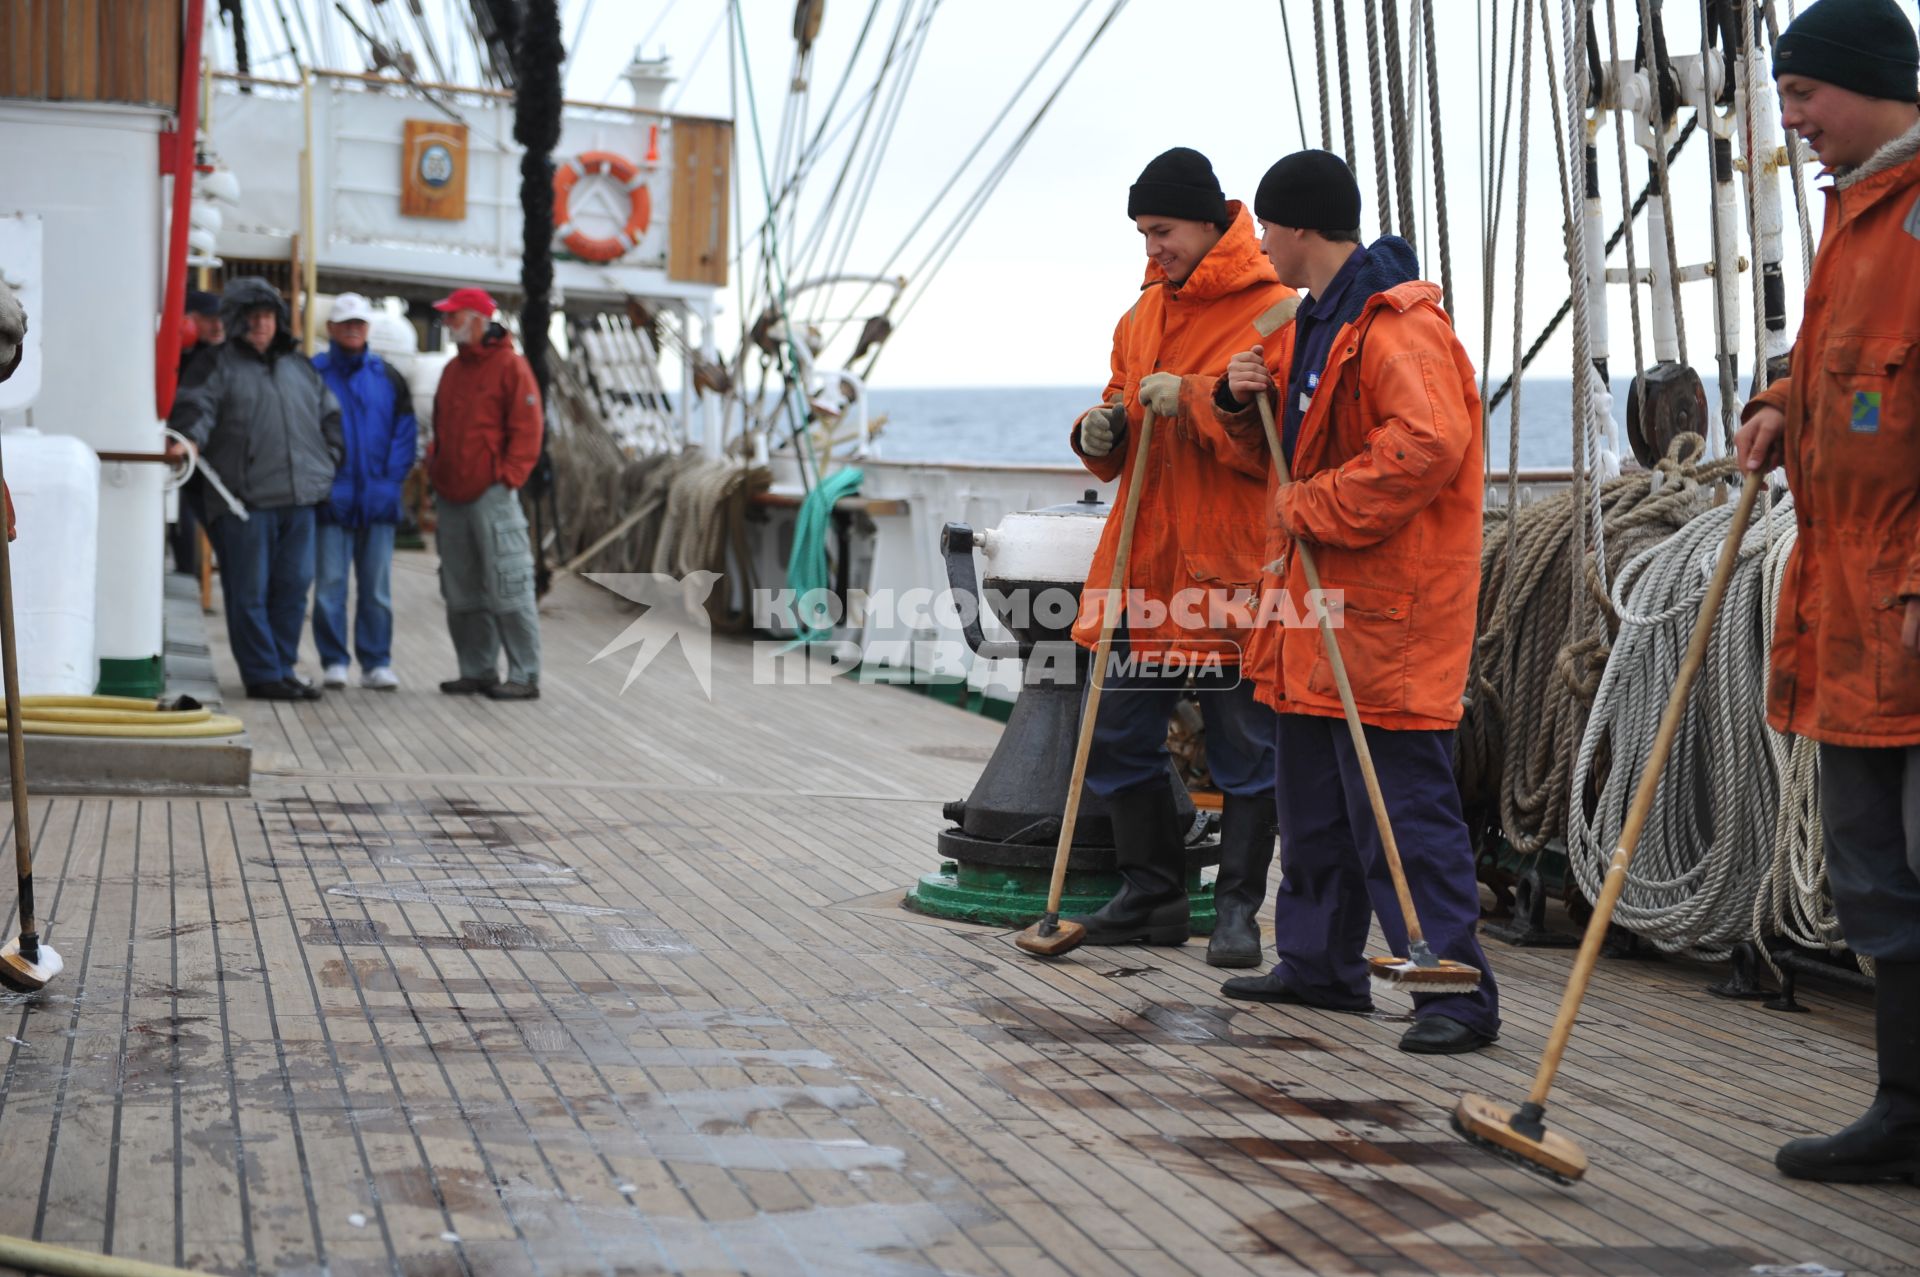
1103, 429
1160, 391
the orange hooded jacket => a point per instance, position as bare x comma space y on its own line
1197, 539
1388, 491
1839, 673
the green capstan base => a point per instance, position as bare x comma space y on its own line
1000, 896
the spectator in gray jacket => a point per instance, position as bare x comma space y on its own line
267, 425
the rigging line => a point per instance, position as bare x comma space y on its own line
1546, 333
1293, 72
1320, 72
823, 226
933, 205
1749, 25
1723, 356
859, 162
427, 41
1346, 80
1381, 157
1439, 156
700, 56
1633, 264
1397, 115
956, 231
1793, 159
794, 394
1490, 248
1573, 185
740, 248
1419, 129
1653, 38
869, 180
815, 146
300, 62
1519, 302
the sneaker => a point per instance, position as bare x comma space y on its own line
514, 692
381, 679
334, 676
469, 686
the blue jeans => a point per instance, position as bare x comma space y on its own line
266, 571
369, 552
1334, 872
1130, 733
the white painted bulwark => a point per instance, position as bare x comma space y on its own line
55, 482
91, 173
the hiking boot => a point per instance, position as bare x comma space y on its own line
1151, 905
513, 692
464, 686
1885, 1142
1240, 889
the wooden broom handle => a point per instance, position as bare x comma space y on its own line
1643, 796
1109, 618
1354, 728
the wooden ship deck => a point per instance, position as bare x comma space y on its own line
621, 984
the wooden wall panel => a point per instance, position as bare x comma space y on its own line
91, 50
702, 154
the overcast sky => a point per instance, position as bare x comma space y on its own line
1033, 287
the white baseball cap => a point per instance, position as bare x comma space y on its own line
350, 306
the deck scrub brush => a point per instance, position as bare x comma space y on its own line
1520, 1134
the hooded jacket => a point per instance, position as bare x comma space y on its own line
1387, 489
382, 439
487, 421
1198, 538
1852, 400
266, 424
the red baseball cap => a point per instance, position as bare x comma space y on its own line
467, 299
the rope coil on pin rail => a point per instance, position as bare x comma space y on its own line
1710, 834
600, 248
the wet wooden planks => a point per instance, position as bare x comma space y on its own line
619, 984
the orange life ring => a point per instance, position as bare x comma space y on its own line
601, 248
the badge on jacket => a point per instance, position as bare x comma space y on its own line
1866, 412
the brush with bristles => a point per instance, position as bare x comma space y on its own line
1421, 971
1050, 937
1520, 1135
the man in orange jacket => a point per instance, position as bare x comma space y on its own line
1845, 667
487, 426
1380, 423
1197, 542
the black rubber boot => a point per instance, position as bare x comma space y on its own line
1151, 905
1240, 890
1885, 1142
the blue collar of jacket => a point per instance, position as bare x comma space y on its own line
1385, 264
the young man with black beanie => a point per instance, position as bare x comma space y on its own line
1380, 425
1208, 292
1845, 667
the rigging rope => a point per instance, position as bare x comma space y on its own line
1293, 71
1320, 73
1709, 837
1346, 80
1381, 157
1439, 156
1793, 160
1633, 263
1723, 355
1397, 100
1656, 49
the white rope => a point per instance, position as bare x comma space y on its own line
1709, 838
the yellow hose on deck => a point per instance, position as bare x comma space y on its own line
118, 716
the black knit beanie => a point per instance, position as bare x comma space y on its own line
1178, 183
1309, 190
1866, 46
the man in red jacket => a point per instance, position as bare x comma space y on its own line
487, 423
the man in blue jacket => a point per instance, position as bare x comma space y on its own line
358, 517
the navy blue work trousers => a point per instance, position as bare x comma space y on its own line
1334, 872
1136, 705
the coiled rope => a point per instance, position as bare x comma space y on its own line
1710, 835
1531, 656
